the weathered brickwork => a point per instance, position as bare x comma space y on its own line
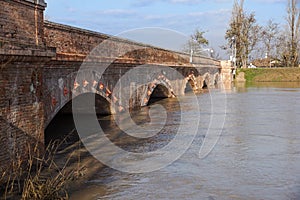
21, 24
39, 63
22, 56
75, 44
21, 108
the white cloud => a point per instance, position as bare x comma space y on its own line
117, 12
271, 1
144, 3
185, 1
211, 13
197, 1
159, 17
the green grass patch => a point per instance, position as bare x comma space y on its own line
271, 74
250, 74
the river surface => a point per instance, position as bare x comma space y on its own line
256, 157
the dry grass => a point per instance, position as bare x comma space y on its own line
39, 177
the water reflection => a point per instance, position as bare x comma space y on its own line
274, 84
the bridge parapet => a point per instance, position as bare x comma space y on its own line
76, 43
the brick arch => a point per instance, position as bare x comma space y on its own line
161, 83
217, 78
206, 81
191, 80
62, 123
71, 86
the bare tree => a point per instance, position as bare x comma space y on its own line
244, 30
233, 34
269, 38
196, 43
199, 38
250, 37
293, 21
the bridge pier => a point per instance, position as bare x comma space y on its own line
226, 73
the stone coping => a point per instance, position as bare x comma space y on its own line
39, 2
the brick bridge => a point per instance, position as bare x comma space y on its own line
39, 73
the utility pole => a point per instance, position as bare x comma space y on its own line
234, 49
191, 55
233, 54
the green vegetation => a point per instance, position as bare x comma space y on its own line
271, 74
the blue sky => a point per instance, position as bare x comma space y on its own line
114, 17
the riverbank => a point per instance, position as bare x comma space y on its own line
269, 75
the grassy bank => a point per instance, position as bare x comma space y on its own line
271, 74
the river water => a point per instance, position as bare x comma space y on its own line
256, 157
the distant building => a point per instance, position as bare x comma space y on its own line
251, 66
266, 62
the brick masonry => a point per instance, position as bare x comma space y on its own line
20, 27
21, 108
23, 54
39, 62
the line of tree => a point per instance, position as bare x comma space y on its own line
279, 43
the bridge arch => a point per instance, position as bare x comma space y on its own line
190, 83
157, 89
217, 79
62, 123
206, 82
64, 90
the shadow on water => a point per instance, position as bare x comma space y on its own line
73, 154
62, 128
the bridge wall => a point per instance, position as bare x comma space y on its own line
40, 61
74, 44
22, 115
22, 56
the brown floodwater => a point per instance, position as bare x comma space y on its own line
256, 157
